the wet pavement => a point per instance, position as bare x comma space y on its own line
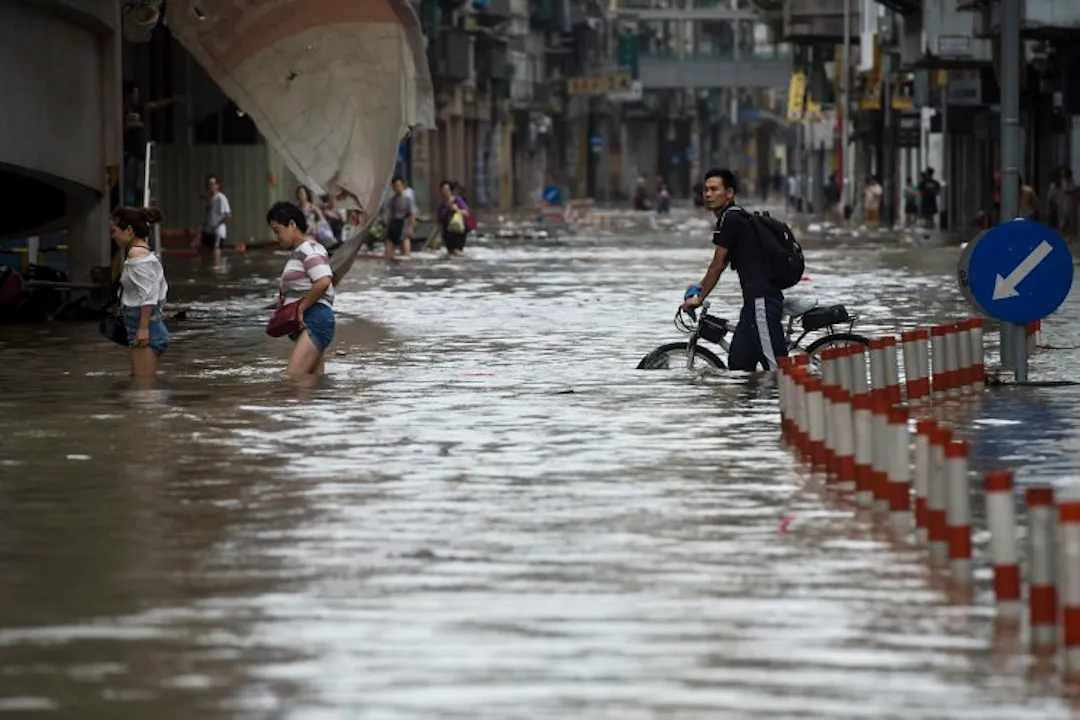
484, 511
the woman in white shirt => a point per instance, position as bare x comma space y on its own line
142, 288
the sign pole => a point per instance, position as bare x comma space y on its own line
1010, 159
845, 112
888, 168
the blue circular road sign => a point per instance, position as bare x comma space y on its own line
1017, 272
552, 195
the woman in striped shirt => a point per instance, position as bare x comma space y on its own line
307, 279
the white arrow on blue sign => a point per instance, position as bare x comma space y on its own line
1017, 272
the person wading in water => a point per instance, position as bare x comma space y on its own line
306, 279
759, 336
142, 288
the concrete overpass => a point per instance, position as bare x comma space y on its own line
710, 73
61, 137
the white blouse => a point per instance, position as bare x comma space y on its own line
143, 282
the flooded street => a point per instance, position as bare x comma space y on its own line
485, 511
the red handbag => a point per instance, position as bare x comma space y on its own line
285, 320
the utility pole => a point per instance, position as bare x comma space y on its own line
888, 165
1013, 335
845, 106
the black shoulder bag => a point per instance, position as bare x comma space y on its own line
112, 325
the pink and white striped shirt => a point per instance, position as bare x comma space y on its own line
308, 263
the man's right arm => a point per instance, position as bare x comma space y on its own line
719, 262
712, 275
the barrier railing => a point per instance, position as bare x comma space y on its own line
874, 438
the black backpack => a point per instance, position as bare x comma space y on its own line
783, 254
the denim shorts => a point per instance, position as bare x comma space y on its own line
319, 321
159, 334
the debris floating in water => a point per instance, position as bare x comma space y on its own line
785, 523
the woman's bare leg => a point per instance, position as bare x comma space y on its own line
305, 356
144, 362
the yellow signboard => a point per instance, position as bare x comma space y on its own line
814, 112
600, 84
903, 91
938, 80
871, 83
796, 102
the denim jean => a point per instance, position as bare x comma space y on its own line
159, 334
319, 321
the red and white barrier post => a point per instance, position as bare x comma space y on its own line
1069, 585
1001, 519
1042, 574
857, 363
923, 429
844, 374
877, 367
938, 374
958, 511
899, 469
966, 373
879, 428
916, 352
815, 404
862, 417
978, 354
783, 378
1034, 336
952, 360
845, 440
892, 370
802, 435
829, 396
828, 377
937, 497
798, 373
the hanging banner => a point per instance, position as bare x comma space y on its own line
796, 96
872, 81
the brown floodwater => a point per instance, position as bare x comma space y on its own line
485, 511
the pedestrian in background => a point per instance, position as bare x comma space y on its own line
911, 203
455, 218
217, 215
872, 195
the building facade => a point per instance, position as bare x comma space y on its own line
61, 138
925, 92
711, 78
